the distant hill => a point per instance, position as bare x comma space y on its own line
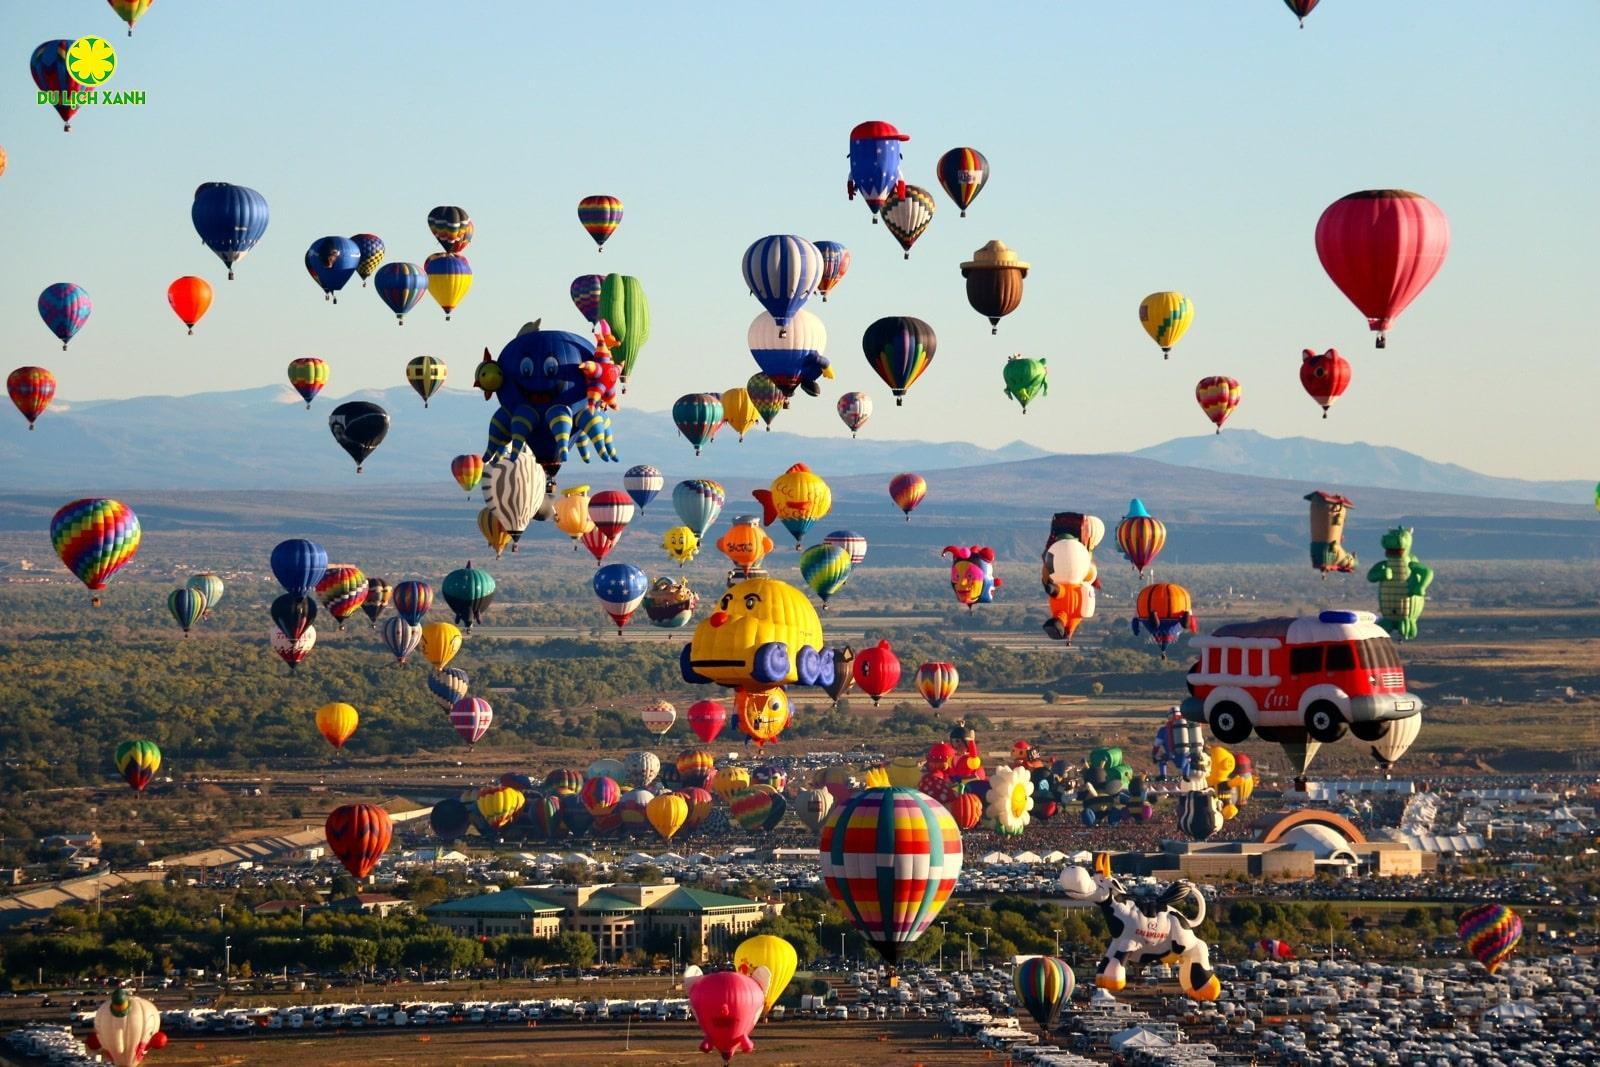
1307, 460
264, 438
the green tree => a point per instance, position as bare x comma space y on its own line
575, 949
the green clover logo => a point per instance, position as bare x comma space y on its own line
91, 61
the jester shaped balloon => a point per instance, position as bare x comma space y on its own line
540, 380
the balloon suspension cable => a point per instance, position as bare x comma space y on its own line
191, 331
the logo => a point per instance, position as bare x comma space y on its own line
91, 61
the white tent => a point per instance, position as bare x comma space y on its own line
994, 859
1137, 1037
1055, 856
1027, 857
578, 857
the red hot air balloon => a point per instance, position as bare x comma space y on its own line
1217, 396
358, 834
707, 718
31, 390
907, 491
1301, 9
1382, 247
877, 670
611, 511
1325, 377
190, 298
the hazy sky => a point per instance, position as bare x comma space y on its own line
1135, 146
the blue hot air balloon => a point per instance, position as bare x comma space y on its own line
299, 565
875, 164
230, 220
698, 502
642, 483
332, 262
400, 285
65, 307
782, 271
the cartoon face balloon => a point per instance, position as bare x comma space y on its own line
540, 381
762, 633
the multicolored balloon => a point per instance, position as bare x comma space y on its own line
467, 470
698, 416
698, 502
853, 543
621, 587
1217, 396
1382, 247
963, 172
1140, 536
1491, 933
1044, 985
449, 280
448, 686
451, 227
798, 498
48, 66
766, 397
1165, 612
370, 249
854, 410
293, 650
1166, 316
309, 376
1301, 9
643, 483
400, 286
95, 538
658, 716
585, 293
471, 717
600, 216
401, 638
835, 264
907, 491
875, 163
937, 682
186, 606
906, 214
342, 590
209, 586
137, 762
825, 568
899, 348
31, 389
65, 307
426, 375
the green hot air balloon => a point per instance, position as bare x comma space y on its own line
825, 568
698, 416
469, 592
1025, 379
187, 606
624, 307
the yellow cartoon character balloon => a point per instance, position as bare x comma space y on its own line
572, 513
763, 713
763, 633
797, 498
681, 544
747, 544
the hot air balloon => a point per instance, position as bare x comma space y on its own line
680, 543
95, 538
209, 586
293, 649
378, 596
698, 502
186, 606
792, 355
447, 686
890, 858
1491, 933
972, 577
667, 814
425, 375
600, 795
747, 545
641, 769
65, 307
308, 375
854, 410
658, 716
499, 804
1217, 396
48, 66
563, 780
469, 592
726, 1005
1044, 985
1140, 536
906, 214
598, 543
1325, 377
766, 397
412, 599
190, 298
359, 426
467, 470
449, 280
737, 410
358, 834
293, 614
1403, 582
620, 587
899, 349
835, 264
875, 163
994, 277
611, 511
730, 780
1301, 9
694, 766
230, 219
825, 569
451, 227
370, 249
449, 819
963, 172
1025, 379
798, 498
31, 390
127, 1027
513, 489
877, 670
400, 286
1382, 247
440, 643
400, 637
337, 723
585, 293
643, 483
471, 717
332, 262
697, 416
1396, 741
1166, 316
1328, 514
624, 307
707, 718
342, 590
760, 808
782, 271
600, 216
495, 535
853, 543
937, 682
761, 713
137, 762
1163, 610
907, 491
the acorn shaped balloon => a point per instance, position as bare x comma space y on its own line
994, 277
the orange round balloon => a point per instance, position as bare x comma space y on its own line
190, 298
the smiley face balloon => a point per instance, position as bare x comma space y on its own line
762, 633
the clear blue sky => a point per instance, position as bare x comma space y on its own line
1135, 146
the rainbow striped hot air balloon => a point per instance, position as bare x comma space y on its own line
137, 762
937, 682
31, 389
600, 216
1044, 985
342, 590
1491, 933
899, 348
585, 292
890, 857
1140, 536
95, 538
963, 172
309, 376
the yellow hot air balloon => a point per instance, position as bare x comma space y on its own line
499, 804
667, 813
730, 780
738, 411
773, 953
798, 498
1166, 316
681, 544
337, 722
495, 535
440, 643
572, 513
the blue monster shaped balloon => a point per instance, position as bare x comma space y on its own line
875, 164
541, 380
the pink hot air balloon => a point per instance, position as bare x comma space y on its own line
471, 717
1382, 247
726, 1005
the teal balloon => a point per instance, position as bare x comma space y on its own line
825, 568
697, 416
698, 502
186, 605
